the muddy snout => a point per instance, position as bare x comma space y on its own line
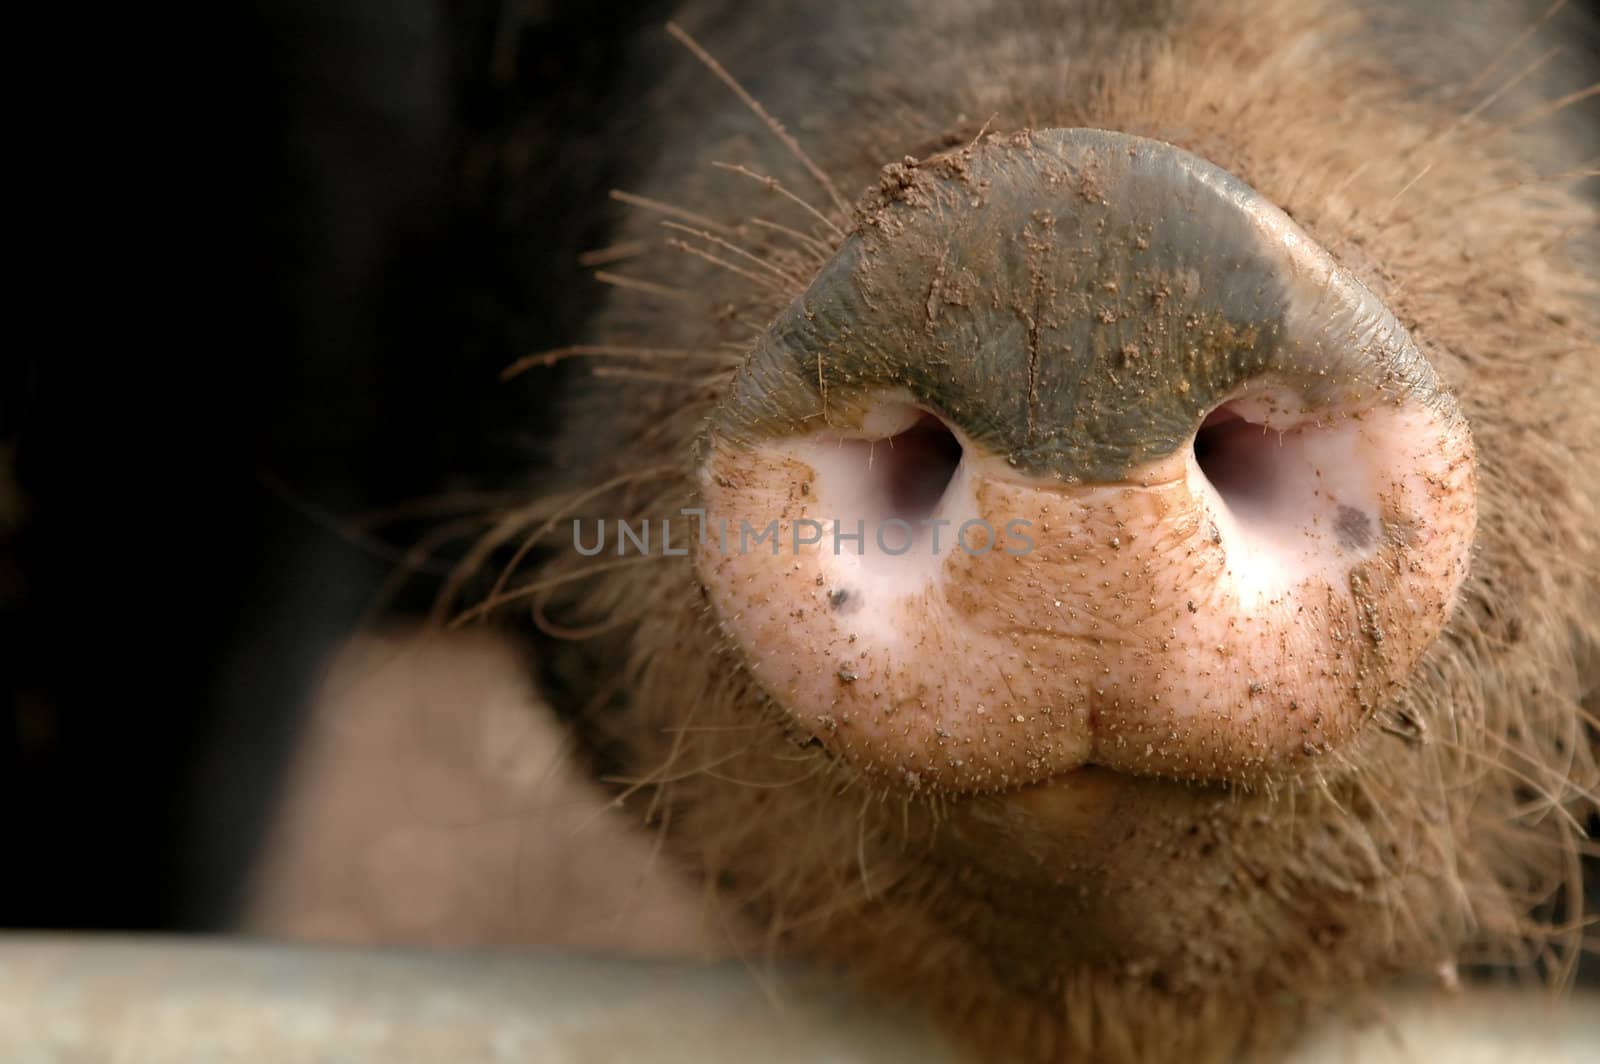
1079, 452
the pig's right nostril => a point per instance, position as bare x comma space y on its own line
918, 465
892, 475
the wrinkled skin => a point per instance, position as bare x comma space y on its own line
1129, 887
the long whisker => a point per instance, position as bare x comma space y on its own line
356, 533
637, 285
820, 249
656, 376
1488, 101
1540, 179
491, 604
613, 253
418, 559
1511, 47
771, 123
754, 278
671, 210
560, 354
1548, 109
567, 508
451, 502
774, 185
1461, 120
736, 249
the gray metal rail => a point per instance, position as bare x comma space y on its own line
129, 999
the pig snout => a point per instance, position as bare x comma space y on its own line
1080, 453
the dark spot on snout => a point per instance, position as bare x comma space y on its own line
838, 597
1353, 527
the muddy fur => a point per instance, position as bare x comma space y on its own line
1192, 920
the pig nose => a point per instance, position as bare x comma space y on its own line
1078, 451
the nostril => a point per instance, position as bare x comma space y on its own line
919, 465
1291, 494
1238, 456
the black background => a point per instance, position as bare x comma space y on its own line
319, 230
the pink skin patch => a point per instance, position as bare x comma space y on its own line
1225, 611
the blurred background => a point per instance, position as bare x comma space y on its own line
329, 225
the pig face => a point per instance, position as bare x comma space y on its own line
1246, 375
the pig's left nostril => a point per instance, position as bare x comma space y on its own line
1294, 495
1235, 455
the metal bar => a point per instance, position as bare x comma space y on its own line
95, 998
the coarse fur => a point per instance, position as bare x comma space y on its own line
1197, 921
